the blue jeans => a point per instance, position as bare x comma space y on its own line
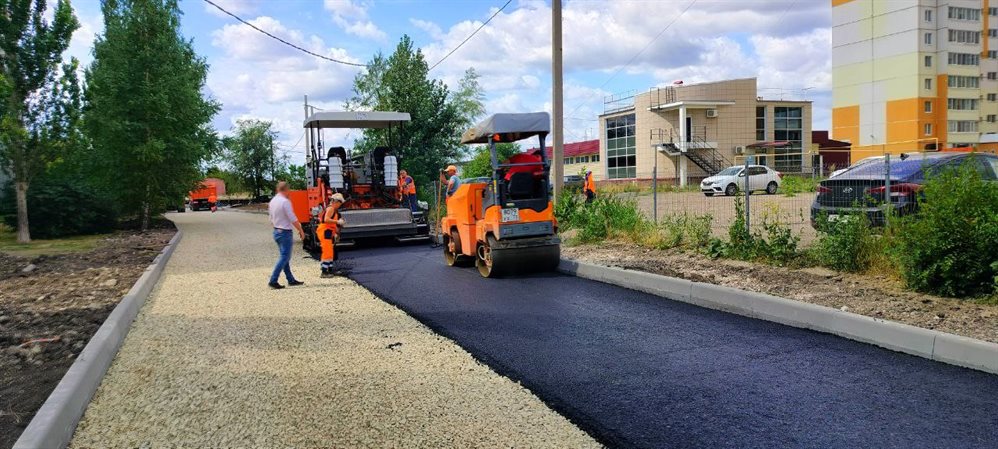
410, 202
285, 240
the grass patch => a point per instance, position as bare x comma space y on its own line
66, 245
793, 185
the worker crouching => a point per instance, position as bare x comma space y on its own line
328, 233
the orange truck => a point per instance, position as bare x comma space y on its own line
207, 193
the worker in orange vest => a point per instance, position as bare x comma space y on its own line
213, 203
589, 187
408, 188
328, 233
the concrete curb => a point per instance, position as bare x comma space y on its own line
930, 344
55, 422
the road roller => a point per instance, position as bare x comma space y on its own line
505, 223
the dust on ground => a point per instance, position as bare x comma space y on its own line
51, 305
878, 297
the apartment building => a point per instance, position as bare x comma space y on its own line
578, 157
695, 130
915, 75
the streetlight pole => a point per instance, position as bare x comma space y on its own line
558, 99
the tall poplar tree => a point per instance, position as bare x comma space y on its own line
146, 116
31, 48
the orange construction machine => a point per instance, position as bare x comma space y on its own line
505, 224
206, 195
368, 181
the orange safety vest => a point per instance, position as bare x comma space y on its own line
590, 185
331, 216
407, 189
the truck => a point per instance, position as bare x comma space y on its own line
206, 194
369, 182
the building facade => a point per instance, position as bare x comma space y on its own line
915, 75
695, 130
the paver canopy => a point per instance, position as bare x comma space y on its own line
509, 127
356, 119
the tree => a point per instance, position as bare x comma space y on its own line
481, 164
469, 98
146, 115
401, 83
250, 154
293, 174
31, 48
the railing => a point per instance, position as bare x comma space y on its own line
661, 95
696, 148
618, 102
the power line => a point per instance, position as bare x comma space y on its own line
470, 35
636, 55
282, 40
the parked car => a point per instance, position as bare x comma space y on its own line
731, 180
574, 181
861, 162
863, 189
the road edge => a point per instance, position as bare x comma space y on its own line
55, 422
930, 344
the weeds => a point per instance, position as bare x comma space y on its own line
845, 244
792, 185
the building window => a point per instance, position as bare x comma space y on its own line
928, 61
992, 118
992, 97
992, 54
965, 37
760, 123
993, 32
594, 158
964, 59
928, 84
962, 126
967, 82
621, 159
928, 15
993, 75
964, 13
928, 106
993, 11
928, 129
928, 38
962, 104
789, 127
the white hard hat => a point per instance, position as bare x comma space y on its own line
338, 197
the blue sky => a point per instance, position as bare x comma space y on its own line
610, 47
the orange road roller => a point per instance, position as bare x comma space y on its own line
505, 223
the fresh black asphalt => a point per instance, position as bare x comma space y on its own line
636, 370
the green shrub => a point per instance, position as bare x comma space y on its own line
792, 185
61, 208
674, 231
780, 244
607, 216
950, 246
844, 244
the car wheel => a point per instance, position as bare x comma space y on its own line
731, 190
771, 187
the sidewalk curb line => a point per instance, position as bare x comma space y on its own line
931, 344
55, 422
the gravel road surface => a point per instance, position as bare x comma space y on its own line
636, 370
216, 359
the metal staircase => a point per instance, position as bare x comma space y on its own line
698, 150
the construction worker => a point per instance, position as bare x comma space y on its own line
589, 187
213, 202
452, 180
408, 188
328, 232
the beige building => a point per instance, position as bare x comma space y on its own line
696, 130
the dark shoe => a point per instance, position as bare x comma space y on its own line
275, 286
294, 283
327, 274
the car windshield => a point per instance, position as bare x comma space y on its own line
899, 169
730, 171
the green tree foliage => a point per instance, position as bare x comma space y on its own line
146, 115
401, 83
250, 154
61, 207
950, 247
469, 98
481, 163
32, 48
293, 174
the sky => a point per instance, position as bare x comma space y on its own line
610, 47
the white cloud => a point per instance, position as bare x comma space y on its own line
351, 16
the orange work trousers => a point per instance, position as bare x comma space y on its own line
327, 241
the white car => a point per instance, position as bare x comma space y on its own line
731, 180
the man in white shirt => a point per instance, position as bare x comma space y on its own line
283, 218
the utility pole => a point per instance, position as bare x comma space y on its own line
558, 99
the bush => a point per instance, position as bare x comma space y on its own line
844, 245
792, 185
778, 246
687, 231
61, 208
950, 246
607, 216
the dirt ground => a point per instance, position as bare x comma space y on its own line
50, 306
794, 210
866, 295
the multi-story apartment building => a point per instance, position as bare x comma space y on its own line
915, 75
695, 130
